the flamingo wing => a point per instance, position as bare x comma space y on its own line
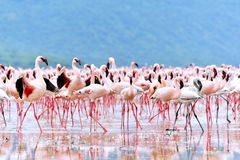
49, 86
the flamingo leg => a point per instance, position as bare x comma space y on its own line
4, 118
90, 114
189, 117
176, 117
123, 116
80, 119
59, 114
217, 103
227, 108
186, 119
72, 112
195, 115
2, 109
35, 115
159, 112
24, 115
52, 110
128, 116
135, 115
92, 117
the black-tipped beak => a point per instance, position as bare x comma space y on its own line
34, 74
59, 68
78, 61
136, 64
45, 60
88, 66
154, 69
108, 65
2, 66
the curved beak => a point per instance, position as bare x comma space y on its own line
78, 61
59, 68
45, 61
136, 64
2, 66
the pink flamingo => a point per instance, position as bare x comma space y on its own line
188, 96
128, 94
32, 91
168, 93
93, 92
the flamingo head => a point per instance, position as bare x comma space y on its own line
134, 65
58, 67
111, 60
76, 61
41, 59
2, 67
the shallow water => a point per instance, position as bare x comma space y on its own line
219, 141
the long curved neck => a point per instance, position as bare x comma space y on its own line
107, 82
113, 64
37, 65
39, 74
75, 68
92, 77
176, 84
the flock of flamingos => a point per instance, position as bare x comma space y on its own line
90, 91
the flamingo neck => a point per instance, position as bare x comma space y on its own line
107, 82
114, 65
92, 77
37, 65
75, 68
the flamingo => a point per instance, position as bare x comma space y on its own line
93, 92
70, 83
33, 90
168, 93
128, 94
187, 96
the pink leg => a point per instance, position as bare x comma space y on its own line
92, 117
67, 108
135, 115
72, 112
2, 110
90, 114
127, 115
35, 115
59, 114
35, 149
159, 112
24, 115
79, 114
123, 115
85, 108
52, 110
